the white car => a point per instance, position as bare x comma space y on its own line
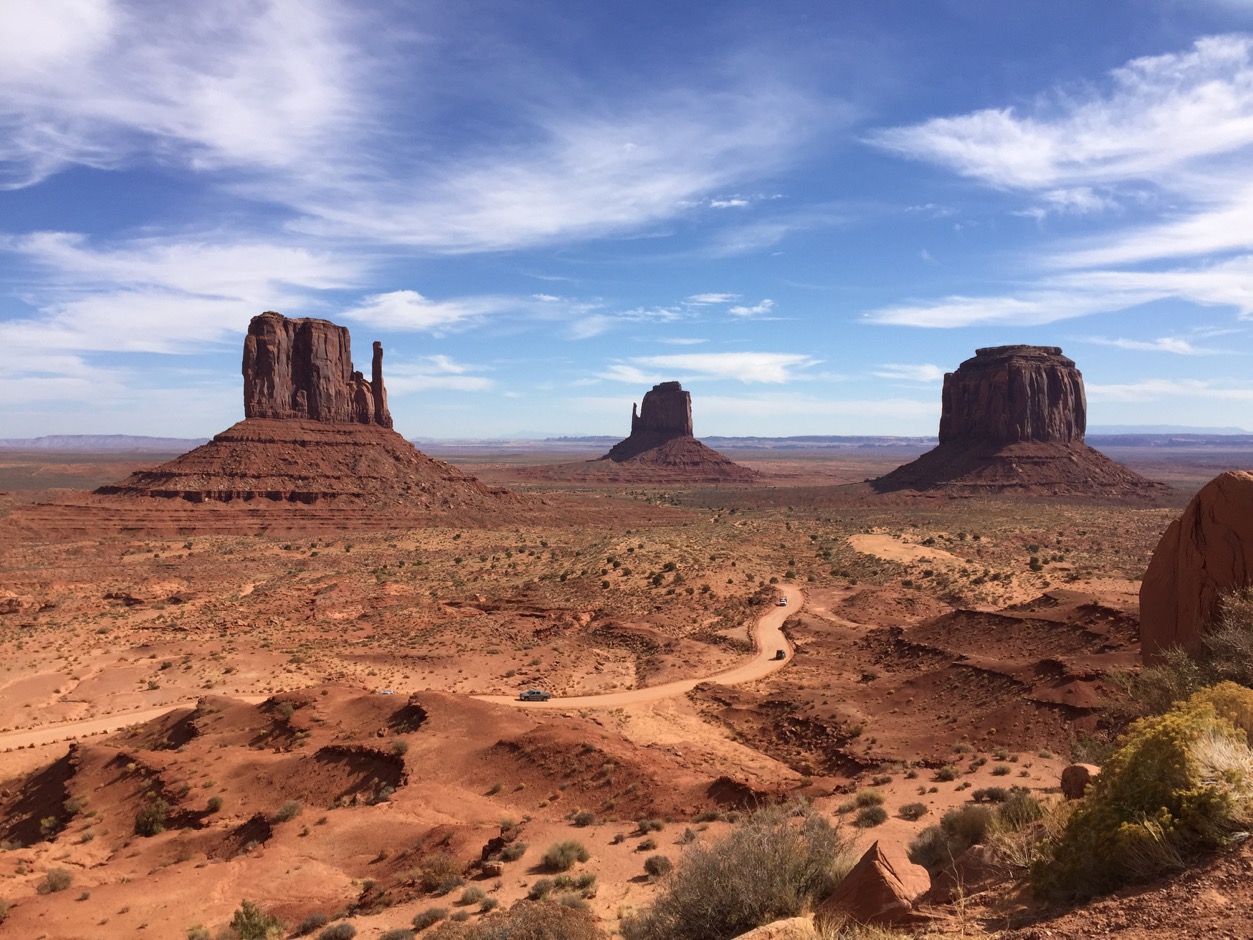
782, 602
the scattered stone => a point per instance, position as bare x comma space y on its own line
1013, 419
881, 889
1076, 778
1207, 551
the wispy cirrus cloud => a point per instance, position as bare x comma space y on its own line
435, 372
713, 298
409, 310
750, 367
1168, 344
923, 372
1170, 389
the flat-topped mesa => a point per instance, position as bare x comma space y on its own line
302, 369
1011, 394
1013, 420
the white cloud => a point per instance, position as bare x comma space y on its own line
733, 202
1170, 390
910, 373
705, 299
1169, 344
409, 310
766, 306
681, 340
1158, 113
435, 372
632, 375
740, 366
1031, 308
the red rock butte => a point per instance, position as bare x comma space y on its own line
314, 430
1013, 420
661, 443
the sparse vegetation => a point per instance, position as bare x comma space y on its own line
340, 931
152, 816
562, 856
252, 923
55, 880
769, 867
432, 915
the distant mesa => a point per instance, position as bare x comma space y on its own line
314, 430
661, 443
1013, 419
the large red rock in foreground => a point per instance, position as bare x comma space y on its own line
1204, 553
315, 430
880, 889
1013, 419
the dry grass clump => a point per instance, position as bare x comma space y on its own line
775, 864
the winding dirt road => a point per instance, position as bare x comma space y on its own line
767, 636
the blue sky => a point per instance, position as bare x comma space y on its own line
806, 212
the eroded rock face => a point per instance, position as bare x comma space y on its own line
1009, 394
666, 409
1013, 420
881, 889
302, 369
1204, 553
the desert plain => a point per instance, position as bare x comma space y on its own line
324, 700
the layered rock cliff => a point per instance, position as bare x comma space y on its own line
302, 369
1204, 553
1013, 419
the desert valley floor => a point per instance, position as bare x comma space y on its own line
325, 699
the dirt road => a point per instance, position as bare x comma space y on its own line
767, 635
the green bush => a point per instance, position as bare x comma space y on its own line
562, 856
526, 920
152, 816
1178, 784
946, 773
771, 866
958, 830
870, 816
312, 923
472, 895
340, 931
251, 923
288, 811
430, 916
513, 851
440, 873
912, 811
657, 866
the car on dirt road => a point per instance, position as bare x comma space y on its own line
781, 602
780, 654
534, 695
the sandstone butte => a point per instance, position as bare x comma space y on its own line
1205, 552
1013, 420
661, 443
314, 430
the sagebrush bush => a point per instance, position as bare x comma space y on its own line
440, 873
56, 879
657, 866
562, 856
252, 923
958, 830
340, 931
426, 918
288, 811
870, 816
152, 816
912, 811
1178, 784
398, 933
526, 920
311, 923
771, 866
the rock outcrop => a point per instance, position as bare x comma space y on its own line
880, 889
1205, 552
661, 447
664, 415
1013, 419
302, 369
314, 431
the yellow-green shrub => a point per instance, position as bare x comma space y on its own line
1178, 783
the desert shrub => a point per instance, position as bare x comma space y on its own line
990, 795
288, 811
488, 904
957, 831
513, 851
1179, 784
572, 900
56, 879
1019, 809
440, 873
771, 866
650, 825
311, 923
584, 818
870, 816
150, 820
540, 889
526, 920
341, 931
868, 798
946, 773
430, 916
472, 895
562, 856
198, 932
913, 811
398, 933
646, 845
214, 804
657, 866
252, 923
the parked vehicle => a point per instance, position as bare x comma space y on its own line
535, 695
782, 602
780, 654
